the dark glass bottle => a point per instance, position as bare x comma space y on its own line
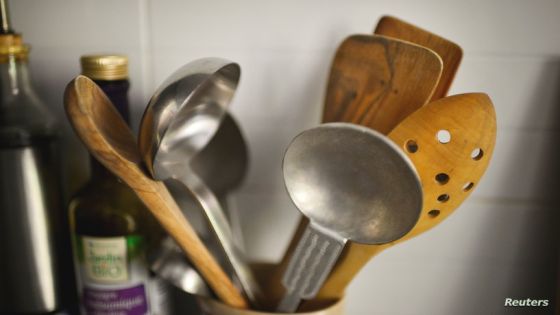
34, 241
111, 228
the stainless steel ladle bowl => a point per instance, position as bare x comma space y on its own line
180, 120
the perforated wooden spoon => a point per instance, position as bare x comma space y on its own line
450, 53
375, 81
450, 141
108, 138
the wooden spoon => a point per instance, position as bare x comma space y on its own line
375, 81
450, 141
111, 142
450, 53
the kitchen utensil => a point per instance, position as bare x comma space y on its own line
223, 162
450, 53
450, 141
374, 81
180, 119
377, 81
222, 165
353, 184
170, 264
263, 271
214, 307
109, 140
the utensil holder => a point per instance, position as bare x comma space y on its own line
213, 307
182, 302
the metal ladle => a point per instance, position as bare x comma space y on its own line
179, 121
222, 165
353, 184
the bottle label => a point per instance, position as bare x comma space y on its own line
128, 301
105, 259
113, 275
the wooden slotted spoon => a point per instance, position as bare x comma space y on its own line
450, 141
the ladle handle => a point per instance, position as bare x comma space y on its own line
234, 221
220, 226
163, 207
313, 259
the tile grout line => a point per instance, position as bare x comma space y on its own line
146, 46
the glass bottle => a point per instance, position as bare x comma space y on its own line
111, 228
34, 240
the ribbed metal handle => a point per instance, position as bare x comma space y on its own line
310, 265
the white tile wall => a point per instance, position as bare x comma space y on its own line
60, 32
501, 243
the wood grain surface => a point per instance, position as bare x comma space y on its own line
450, 53
111, 142
377, 81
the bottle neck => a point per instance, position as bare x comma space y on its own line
117, 91
24, 117
14, 80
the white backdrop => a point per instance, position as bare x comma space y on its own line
501, 243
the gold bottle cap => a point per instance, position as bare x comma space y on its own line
105, 67
12, 45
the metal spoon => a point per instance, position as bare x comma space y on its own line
353, 184
374, 81
180, 120
448, 172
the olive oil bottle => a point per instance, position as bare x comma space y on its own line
111, 228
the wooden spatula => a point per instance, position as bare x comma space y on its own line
450, 141
375, 81
450, 53
108, 138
